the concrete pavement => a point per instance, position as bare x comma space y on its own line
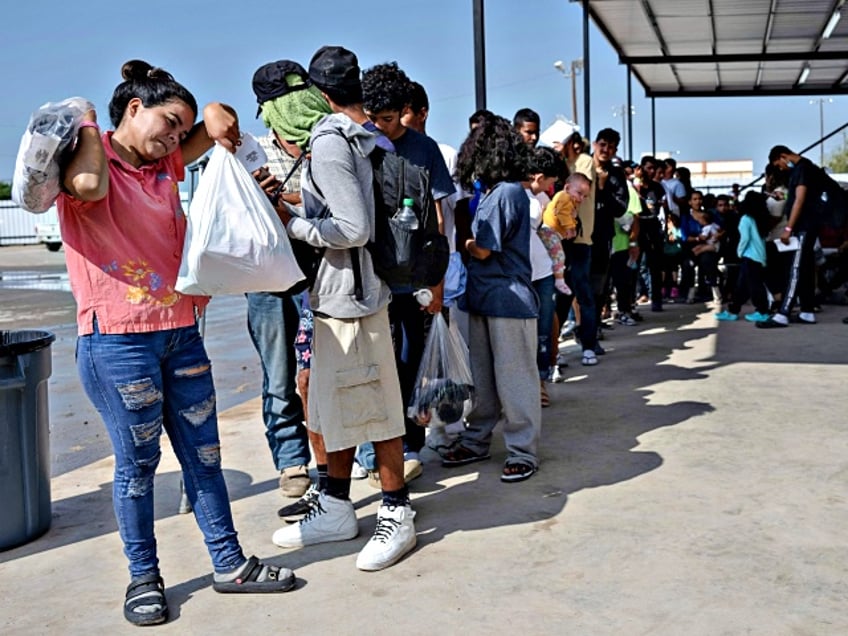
694, 482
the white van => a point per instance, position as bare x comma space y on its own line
47, 229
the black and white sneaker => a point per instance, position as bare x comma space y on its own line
297, 510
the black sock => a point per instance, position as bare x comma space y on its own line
398, 497
322, 477
338, 487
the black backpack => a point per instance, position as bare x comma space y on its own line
401, 258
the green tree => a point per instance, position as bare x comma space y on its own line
5, 190
837, 160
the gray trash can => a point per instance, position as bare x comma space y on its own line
25, 366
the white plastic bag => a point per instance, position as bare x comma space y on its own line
50, 133
235, 242
444, 389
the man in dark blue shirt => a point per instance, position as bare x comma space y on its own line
386, 92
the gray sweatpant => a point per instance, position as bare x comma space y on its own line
503, 364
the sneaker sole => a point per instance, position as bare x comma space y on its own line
303, 544
376, 567
414, 473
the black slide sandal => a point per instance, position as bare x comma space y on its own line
257, 578
146, 590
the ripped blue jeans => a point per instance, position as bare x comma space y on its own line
142, 383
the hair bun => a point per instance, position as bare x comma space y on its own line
141, 70
135, 70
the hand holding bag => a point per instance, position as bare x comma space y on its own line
45, 147
444, 388
235, 242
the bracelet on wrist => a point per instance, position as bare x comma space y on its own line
788, 228
88, 124
633, 244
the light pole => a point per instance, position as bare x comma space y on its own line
576, 67
621, 111
821, 101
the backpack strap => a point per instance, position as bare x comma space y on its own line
357, 274
354, 252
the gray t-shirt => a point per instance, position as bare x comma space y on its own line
500, 285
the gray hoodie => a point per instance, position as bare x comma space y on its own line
339, 176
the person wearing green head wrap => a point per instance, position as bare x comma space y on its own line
293, 115
290, 107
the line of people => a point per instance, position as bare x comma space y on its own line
528, 255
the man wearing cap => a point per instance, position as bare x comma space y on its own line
353, 367
287, 106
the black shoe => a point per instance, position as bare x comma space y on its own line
599, 350
771, 323
294, 512
845, 321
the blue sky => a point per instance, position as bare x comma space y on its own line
52, 50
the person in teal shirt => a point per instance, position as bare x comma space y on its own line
753, 227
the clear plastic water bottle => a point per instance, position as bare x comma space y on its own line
406, 215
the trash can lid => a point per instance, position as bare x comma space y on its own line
24, 341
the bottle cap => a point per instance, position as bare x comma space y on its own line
424, 296
408, 202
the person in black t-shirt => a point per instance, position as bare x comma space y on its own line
807, 184
651, 237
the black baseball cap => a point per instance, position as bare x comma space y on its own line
335, 67
269, 81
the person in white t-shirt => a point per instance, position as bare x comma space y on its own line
676, 195
546, 167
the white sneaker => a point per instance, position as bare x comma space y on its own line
807, 318
393, 537
329, 519
358, 472
556, 375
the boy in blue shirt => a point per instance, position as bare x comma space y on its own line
502, 304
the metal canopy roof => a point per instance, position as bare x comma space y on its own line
705, 48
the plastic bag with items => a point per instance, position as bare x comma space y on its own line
235, 242
44, 150
444, 389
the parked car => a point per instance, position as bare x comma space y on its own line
47, 230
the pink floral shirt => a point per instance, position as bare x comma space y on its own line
123, 252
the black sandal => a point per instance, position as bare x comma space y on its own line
460, 456
146, 591
517, 471
257, 578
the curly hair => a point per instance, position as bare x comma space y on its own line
385, 87
493, 152
548, 162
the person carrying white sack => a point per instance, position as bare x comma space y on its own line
140, 356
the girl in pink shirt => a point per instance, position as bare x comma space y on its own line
139, 354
